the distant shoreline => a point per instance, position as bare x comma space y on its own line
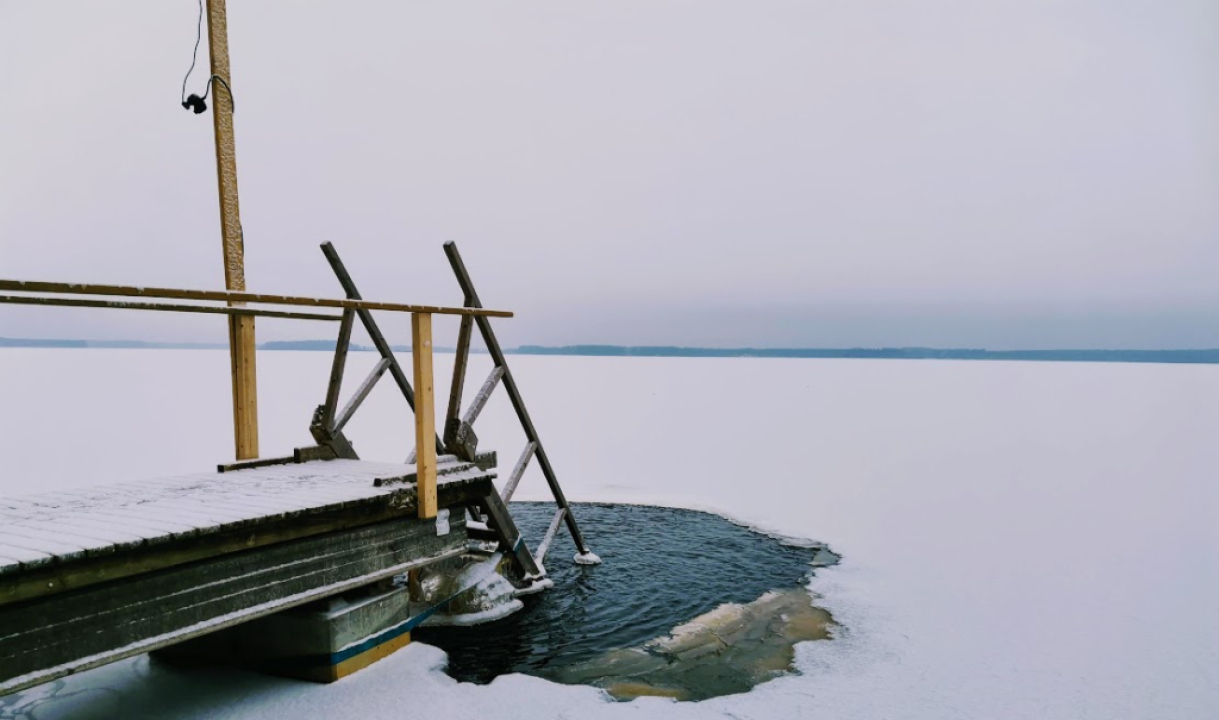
1205, 356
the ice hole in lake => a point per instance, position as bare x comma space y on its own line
686, 604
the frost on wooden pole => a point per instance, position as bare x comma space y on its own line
241, 327
425, 414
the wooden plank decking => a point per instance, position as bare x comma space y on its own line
37, 530
97, 574
68, 540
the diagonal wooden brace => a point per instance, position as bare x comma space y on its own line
518, 403
510, 540
374, 332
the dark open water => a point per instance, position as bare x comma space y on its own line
661, 567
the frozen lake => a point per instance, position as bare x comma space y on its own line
1019, 540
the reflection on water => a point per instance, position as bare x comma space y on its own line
662, 568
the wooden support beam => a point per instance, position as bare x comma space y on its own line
336, 445
242, 341
164, 307
262, 462
337, 367
453, 435
361, 393
355, 303
510, 540
314, 452
459, 369
425, 413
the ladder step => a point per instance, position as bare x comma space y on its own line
361, 393
484, 533
540, 555
500, 520
515, 478
484, 394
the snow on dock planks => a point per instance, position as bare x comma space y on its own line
96, 575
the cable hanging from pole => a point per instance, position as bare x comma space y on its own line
196, 102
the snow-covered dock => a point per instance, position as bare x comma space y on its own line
95, 575
90, 577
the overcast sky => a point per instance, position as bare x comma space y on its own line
811, 173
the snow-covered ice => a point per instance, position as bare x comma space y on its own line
1019, 540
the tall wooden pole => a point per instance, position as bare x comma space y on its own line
241, 328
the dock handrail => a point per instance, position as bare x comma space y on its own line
62, 288
164, 307
329, 420
327, 429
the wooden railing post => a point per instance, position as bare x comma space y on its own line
425, 413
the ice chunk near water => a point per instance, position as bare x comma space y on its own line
536, 585
491, 597
587, 558
727, 650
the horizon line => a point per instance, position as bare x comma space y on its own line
911, 352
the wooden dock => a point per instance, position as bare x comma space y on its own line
95, 575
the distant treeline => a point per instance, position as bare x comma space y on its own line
119, 344
908, 353
328, 346
21, 342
